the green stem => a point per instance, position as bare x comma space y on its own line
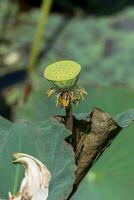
36, 46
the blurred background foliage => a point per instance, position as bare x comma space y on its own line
103, 45
97, 7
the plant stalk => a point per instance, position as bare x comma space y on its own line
69, 125
36, 46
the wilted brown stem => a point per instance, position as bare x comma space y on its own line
69, 118
69, 125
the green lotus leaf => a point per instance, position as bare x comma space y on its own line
125, 118
43, 140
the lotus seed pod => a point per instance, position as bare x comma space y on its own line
63, 75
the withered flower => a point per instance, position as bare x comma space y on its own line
34, 185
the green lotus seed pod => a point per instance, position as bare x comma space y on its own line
63, 75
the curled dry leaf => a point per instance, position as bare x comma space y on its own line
36, 181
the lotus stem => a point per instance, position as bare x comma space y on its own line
36, 46
69, 118
69, 125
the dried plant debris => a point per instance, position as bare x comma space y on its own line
95, 133
94, 136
